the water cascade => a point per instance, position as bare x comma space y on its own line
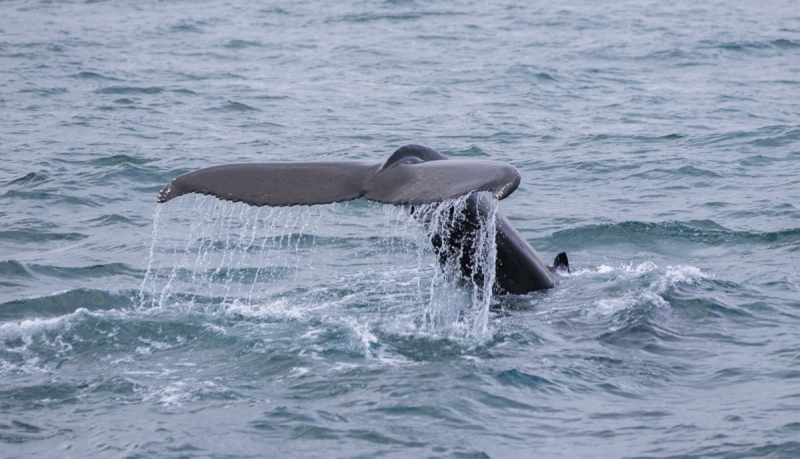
213, 255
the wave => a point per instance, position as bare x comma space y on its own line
119, 159
239, 44
130, 90
521, 379
64, 303
654, 309
188, 26
45, 92
767, 136
705, 232
231, 106
92, 76
685, 171
31, 179
23, 236
113, 219
392, 17
779, 135
13, 268
84, 272
751, 46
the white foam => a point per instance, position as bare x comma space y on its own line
127, 359
610, 306
628, 268
645, 267
341, 366
30, 365
214, 328
179, 392
174, 395
27, 327
361, 330
37, 329
296, 372
676, 275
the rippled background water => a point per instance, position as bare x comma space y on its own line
659, 145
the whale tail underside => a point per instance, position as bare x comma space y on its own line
310, 183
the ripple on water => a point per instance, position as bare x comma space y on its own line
133, 90
63, 303
665, 166
705, 232
31, 179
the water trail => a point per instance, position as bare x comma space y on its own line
463, 236
437, 259
151, 257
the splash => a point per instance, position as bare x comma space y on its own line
463, 237
437, 260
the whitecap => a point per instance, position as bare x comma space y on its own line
676, 275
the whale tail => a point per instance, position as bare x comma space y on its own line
412, 175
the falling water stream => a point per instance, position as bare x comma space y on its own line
213, 255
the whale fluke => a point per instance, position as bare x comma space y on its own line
434, 181
408, 180
413, 175
275, 184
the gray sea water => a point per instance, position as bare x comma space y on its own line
659, 145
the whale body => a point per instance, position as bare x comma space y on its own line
413, 175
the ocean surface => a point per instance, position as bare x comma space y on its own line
658, 143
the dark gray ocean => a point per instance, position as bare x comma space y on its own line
658, 143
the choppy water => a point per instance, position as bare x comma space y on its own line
659, 145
